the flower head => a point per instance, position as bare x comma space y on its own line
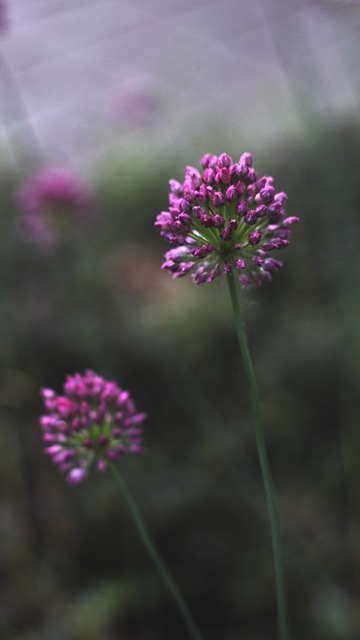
224, 219
92, 421
50, 202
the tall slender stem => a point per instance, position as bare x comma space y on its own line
263, 459
158, 561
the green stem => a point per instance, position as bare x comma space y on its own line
158, 561
264, 463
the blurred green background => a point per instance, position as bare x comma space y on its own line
71, 564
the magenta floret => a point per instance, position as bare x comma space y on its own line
93, 421
224, 219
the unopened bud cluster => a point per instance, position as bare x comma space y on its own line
224, 219
92, 421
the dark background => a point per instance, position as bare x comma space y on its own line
71, 564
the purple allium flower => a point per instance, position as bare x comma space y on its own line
93, 421
224, 219
51, 202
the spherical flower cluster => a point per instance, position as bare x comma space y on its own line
224, 220
93, 421
51, 202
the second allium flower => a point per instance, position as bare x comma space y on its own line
92, 421
224, 219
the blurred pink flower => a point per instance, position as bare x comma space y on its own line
94, 421
134, 103
51, 202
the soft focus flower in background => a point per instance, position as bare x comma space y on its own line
224, 219
52, 202
93, 421
134, 103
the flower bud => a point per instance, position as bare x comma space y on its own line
224, 160
254, 237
